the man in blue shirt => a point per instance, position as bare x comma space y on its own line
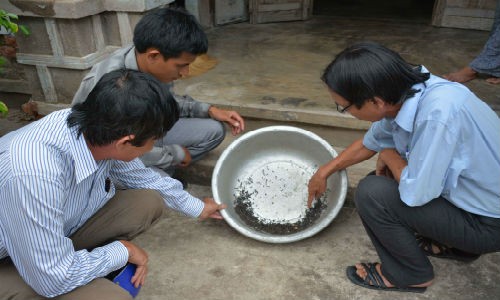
63, 226
436, 188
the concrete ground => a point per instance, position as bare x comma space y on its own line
191, 259
271, 73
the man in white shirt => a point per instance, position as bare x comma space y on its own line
63, 226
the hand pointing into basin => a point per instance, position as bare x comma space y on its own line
316, 187
211, 209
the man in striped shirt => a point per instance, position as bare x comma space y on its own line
63, 226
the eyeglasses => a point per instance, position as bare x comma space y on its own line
342, 109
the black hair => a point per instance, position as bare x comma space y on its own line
171, 31
125, 102
367, 70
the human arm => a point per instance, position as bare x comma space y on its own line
189, 107
211, 209
138, 257
429, 159
33, 226
134, 174
353, 154
390, 163
232, 118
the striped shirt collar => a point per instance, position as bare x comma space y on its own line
85, 164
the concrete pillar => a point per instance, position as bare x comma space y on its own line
67, 38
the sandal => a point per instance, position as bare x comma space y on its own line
444, 251
374, 281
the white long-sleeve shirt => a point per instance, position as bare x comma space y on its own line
50, 185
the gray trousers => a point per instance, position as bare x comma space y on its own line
125, 216
391, 226
198, 135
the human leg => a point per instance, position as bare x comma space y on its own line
199, 136
488, 61
463, 75
394, 242
369, 275
391, 225
439, 250
13, 287
493, 80
125, 216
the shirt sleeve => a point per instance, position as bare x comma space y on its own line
88, 83
433, 146
189, 107
135, 175
379, 136
32, 219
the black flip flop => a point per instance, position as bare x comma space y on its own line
374, 281
444, 251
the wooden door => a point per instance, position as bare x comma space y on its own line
266, 11
468, 14
230, 11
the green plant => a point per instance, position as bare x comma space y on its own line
6, 21
4, 110
11, 28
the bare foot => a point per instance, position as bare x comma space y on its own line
362, 273
493, 80
464, 75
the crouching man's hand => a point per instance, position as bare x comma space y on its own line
211, 209
138, 257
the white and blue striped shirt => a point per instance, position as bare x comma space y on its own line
50, 185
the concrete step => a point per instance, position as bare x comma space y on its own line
201, 172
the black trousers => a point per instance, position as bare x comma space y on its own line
391, 225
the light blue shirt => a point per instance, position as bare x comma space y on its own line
50, 185
451, 141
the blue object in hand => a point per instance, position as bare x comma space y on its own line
124, 278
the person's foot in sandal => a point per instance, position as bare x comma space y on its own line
370, 276
436, 249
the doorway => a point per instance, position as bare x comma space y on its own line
418, 11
